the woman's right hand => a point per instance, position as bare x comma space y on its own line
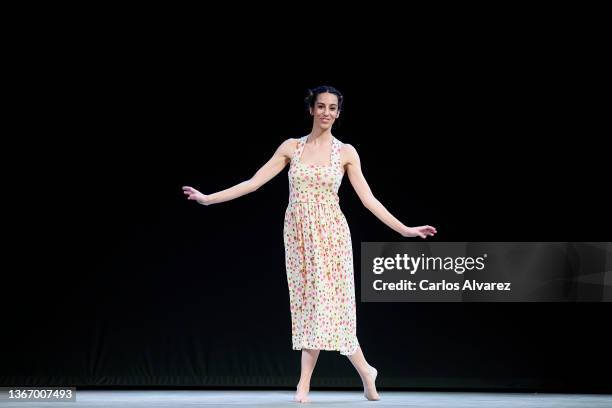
193, 194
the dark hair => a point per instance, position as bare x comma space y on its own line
312, 94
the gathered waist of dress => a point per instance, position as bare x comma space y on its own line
321, 197
325, 201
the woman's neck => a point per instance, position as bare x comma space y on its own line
319, 135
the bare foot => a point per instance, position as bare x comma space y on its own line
302, 393
369, 385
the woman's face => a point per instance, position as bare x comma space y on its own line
325, 111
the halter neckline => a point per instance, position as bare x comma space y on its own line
300, 150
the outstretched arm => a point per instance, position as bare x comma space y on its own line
359, 183
274, 166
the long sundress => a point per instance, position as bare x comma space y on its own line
319, 257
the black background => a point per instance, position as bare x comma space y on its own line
114, 278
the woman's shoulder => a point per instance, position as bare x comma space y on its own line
295, 140
290, 142
346, 148
288, 146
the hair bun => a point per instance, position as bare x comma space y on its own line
309, 96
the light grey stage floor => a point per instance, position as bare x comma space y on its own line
328, 399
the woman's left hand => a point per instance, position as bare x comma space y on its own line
422, 231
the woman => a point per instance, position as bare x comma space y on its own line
318, 248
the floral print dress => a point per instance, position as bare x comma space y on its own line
319, 257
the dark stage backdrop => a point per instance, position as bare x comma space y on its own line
114, 278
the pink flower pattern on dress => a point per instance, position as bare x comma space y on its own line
319, 257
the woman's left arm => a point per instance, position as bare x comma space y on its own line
359, 183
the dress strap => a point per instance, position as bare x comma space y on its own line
298, 150
335, 153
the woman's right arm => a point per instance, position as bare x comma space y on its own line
277, 162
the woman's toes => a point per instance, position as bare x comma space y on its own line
301, 398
